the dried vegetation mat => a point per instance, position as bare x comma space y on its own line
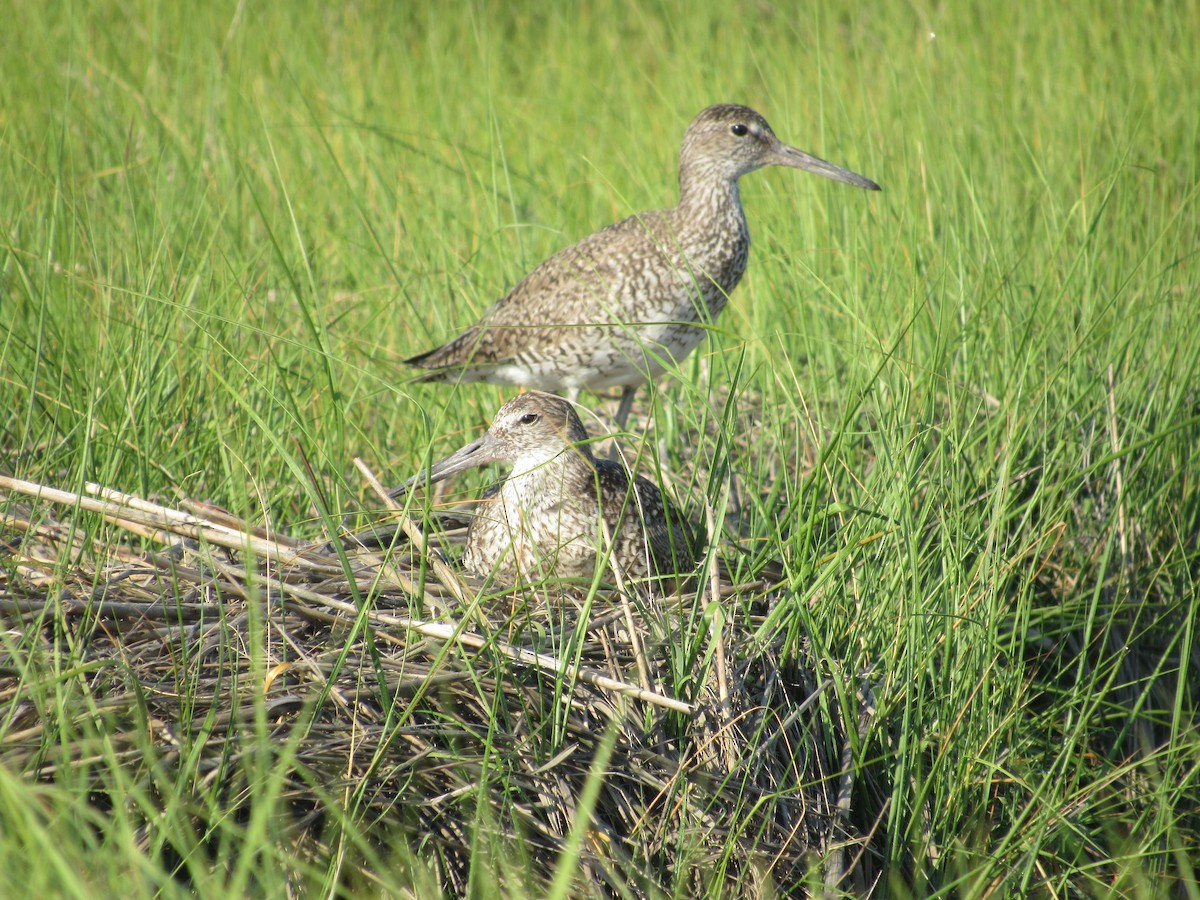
655, 744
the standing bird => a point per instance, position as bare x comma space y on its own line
545, 517
631, 300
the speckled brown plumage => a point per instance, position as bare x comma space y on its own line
625, 303
544, 518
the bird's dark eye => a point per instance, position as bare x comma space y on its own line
528, 418
740, 129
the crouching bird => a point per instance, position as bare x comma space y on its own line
561, 512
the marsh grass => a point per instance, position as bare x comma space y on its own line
962, 415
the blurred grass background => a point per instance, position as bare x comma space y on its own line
223, 225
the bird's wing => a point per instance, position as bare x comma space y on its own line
581, 286
672, 541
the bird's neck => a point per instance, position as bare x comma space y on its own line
540, 479
705, 197
712, 232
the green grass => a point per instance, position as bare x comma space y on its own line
975, 397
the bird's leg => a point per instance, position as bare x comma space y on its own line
623, 409
626, 405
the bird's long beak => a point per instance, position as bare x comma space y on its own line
798, 159
476, 453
